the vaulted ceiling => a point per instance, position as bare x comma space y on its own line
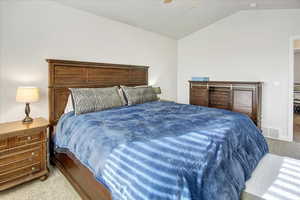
176, 19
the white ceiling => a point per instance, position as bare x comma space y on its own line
176, 19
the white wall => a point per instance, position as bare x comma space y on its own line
248, 46
35, 30
1, 52
297, 67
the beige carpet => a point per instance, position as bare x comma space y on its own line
56, 187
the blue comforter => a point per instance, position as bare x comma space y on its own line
165, 151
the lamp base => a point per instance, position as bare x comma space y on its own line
27, 120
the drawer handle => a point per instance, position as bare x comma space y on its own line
33, 168
33, 153
28, 138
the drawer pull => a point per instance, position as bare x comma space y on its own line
33, 168
28, 138
33, 153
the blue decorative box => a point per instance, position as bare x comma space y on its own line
200, 78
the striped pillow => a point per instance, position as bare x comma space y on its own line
87, 100
139, 95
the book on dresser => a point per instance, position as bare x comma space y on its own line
23, 152
243, 97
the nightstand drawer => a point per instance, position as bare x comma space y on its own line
19, 160
7, 152
20, 172
27, 138
3, 144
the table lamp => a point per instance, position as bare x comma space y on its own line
27, 95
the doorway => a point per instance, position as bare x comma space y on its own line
296, 121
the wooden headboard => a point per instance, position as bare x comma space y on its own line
64, 74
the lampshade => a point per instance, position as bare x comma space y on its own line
297, 44
157, 90
27, 94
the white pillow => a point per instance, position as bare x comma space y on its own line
69, 107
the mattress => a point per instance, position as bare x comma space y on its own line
165, 150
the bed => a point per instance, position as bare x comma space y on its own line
206, 151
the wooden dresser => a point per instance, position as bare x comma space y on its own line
244, 97
23, 152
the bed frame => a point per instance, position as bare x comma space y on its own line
65, 74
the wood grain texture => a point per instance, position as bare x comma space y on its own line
219, 97
65, 74
14, 127
238, 96
76, 74
80, 177
199, 95
23, 152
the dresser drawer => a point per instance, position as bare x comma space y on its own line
20, 149
23, 152
20, 172
3, 144
28, 138
19, 160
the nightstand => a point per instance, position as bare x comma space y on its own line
23, 152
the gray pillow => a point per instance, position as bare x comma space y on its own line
139, 95
87, 100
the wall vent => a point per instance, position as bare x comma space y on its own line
265, 131
274, 133
270, 132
